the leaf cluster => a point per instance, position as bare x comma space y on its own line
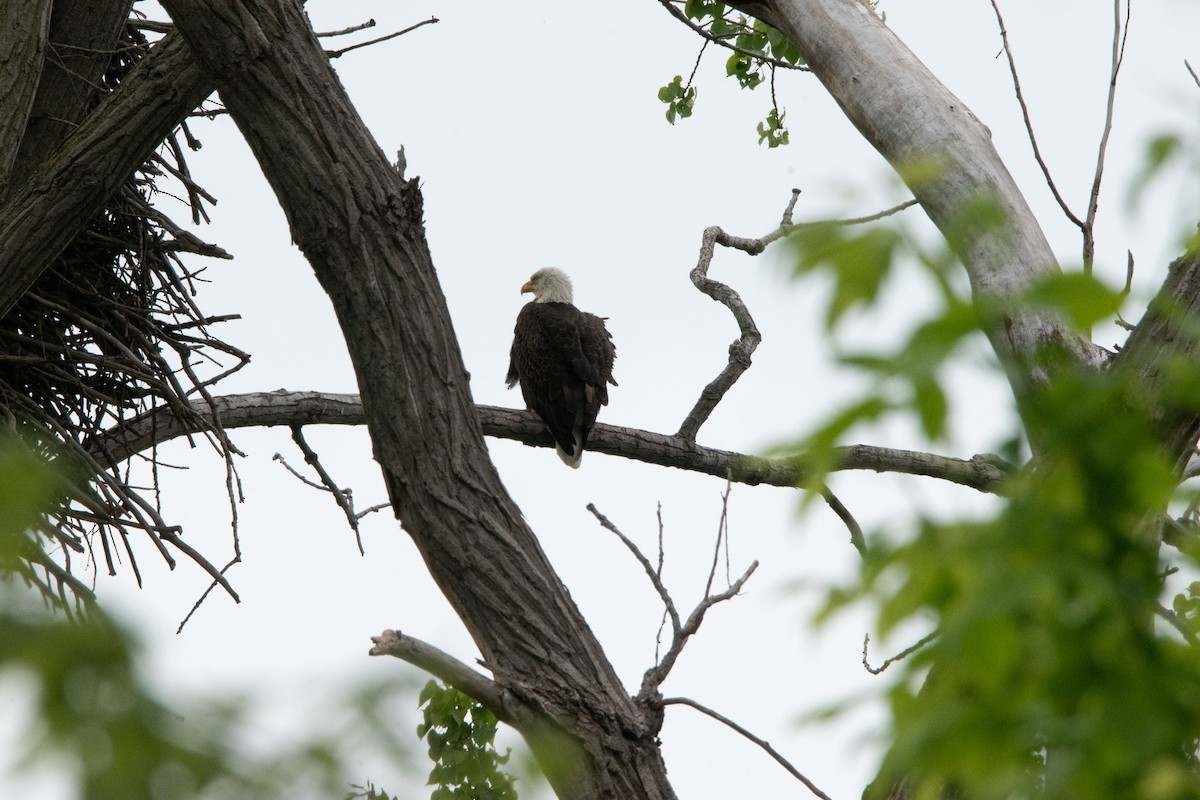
680, 99
757, 50
460, 733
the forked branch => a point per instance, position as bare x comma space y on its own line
1086, 225
681, 630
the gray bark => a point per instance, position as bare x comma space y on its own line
983, 472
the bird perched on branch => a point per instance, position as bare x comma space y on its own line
563, 358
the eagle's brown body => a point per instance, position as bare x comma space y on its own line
563, 359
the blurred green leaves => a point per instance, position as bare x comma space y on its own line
1049, 677
93, 710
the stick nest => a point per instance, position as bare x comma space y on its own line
110, 332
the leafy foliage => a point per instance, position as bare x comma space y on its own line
757, 49
772, 130
680, 99
460, 733
1049, 677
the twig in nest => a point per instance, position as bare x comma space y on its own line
103, 336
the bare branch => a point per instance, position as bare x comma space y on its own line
339, 53
658, 673
1037, 153
742, 349
1192, 72
887, 212
444, 667
856, 535
905, 653
362, 26
983, 472
765, 745
654, 574
341, 496
237, 559
1118, 55
680, 632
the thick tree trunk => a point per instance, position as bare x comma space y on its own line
24, 28
82, 38
43, 215
360, 225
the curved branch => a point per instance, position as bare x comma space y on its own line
742, 349
1037, 152
983, 472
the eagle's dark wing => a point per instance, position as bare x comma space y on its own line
563, 359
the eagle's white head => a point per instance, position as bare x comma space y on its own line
549, 285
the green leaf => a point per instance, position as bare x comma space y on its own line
932, 408
1079, 297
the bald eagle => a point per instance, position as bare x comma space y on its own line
563, 358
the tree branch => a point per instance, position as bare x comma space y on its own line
360, 224
409, 29
671, 7
763, 743
680, 631
1037, 153
340, 496
742, 349
444, 667
983, 472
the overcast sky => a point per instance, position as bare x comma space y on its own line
539, 138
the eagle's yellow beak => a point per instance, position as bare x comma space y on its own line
527, 287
